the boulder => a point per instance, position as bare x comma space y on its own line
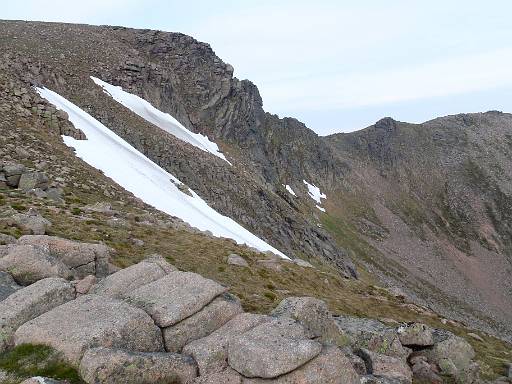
111, 366
201, 324
372, 335
329, 367
125, 281
416, 335
13, 173
423, 372
33, 180
210, 352
303, 263
92, 321
175, 297
32, 301
386, 366
84, 286
372, 379
29, 263
314, 315
447, 346
82, 258
7, 285
31, 222
237, 260
271, 349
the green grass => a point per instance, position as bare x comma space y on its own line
29, 360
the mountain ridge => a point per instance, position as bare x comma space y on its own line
385, 183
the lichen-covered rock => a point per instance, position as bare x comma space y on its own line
29, 263
314, 315
125, 281
416, 335
7, 239
225, 376
175, 297
82, 258
211, 352
201, 324
92, 321
447, 346
111, 366
31, 222
271, 349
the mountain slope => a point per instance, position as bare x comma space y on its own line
425, 207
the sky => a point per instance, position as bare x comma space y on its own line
338, 66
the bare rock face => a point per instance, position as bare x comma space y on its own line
386, 366
175, 297
211, 352
329, 367
30, 302
111, 366
201, 324
271, 349
416, 335
125, 281
92, 321
82, 258
29, 263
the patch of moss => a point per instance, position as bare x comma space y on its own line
29, 360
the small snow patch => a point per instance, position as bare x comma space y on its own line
161, 119
314, 192
290, 190
320, 208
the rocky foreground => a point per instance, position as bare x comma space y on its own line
151, 323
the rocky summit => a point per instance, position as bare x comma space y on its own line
157, 225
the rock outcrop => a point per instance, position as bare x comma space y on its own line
150, 323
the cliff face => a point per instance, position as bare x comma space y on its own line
426, 207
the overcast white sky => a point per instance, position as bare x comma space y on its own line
336, 65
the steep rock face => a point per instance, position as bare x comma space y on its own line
183, 77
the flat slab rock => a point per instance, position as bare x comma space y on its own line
30, 302
175, 297
271, 349
211, 352
331, 366
92, 321
201, 324
110, 366
127, 280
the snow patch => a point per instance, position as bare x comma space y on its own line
314, 192
161, 119
118, 160
320, 208
289, 189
